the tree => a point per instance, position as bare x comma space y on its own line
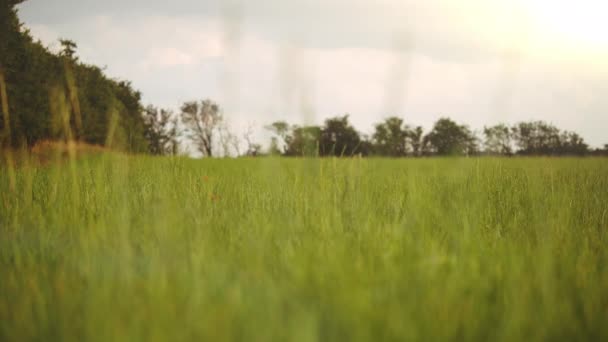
68, 49
28, 70
294, 140
274, 149
303, 141
202, 120
449, 138
541, 138
339, 138
46, 91
536, 138
127, 103
228, 141
600, 151
498, 140
572, 144
390, 137
161, 130
416, 140
253, 149
280, 130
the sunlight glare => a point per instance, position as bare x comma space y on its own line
573, 23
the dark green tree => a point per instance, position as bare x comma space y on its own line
68, 49
390, 138
416, 140
449, 138
203, 119
572, 144
541, 138
161, 131
339, 138
498, 140
303, 141
54, 96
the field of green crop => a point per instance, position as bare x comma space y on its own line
126, 248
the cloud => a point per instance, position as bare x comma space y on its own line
446, 28
166, 57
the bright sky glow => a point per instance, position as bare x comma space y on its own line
581, 23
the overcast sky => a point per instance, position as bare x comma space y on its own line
477, 61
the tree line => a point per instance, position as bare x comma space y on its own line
54, 96
392, 137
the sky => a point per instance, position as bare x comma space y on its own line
479, 62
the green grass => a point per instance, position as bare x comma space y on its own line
123, 248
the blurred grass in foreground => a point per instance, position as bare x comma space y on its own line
112, 247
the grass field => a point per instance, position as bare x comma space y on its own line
123, 248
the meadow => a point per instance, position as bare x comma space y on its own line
112, 247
